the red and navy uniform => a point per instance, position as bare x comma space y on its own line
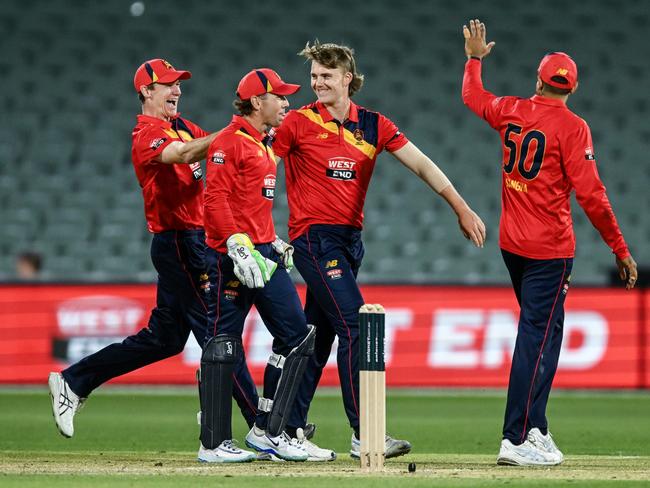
241, 171
328, 166
547, 154
173, 201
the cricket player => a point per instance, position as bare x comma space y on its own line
166, 153
547, 154
243, 254
329, 149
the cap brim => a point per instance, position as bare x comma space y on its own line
285, 89
172, 76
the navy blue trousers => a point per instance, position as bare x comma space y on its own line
181, 308
278, 304
541, 287
328, 257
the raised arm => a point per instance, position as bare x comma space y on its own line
480, 101
419, 163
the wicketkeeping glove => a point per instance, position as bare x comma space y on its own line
285, 251
251, 268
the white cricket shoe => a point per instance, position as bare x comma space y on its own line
545, 443
525, 454
226, 452
314, 452
65, 404
394, 447
279, 446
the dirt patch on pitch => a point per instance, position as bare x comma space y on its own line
428, 466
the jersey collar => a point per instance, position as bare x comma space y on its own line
248, 128
325, 114
148, 119
554, 102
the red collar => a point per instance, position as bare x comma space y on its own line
148, 119
554, 102
250, 130
325, 114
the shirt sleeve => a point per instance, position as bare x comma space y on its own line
580, 166
480, 101
285, 135
222, 169
390, 136
150, 143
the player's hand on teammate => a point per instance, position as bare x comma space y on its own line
475, 43
285, 251
472, 227
627, 271
250, 267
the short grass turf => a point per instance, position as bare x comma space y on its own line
131, 437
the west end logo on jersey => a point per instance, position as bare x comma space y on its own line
341, 168
218, 157
268, 190
156, 143
589, 154
197, 172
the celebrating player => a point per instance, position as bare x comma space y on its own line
547, 153
166, 151
329, 148
243, 253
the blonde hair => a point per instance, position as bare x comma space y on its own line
335, 56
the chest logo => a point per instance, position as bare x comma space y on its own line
323, 135
358, 136
268, 190
341, 168
218, 157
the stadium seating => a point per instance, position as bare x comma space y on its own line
67, 188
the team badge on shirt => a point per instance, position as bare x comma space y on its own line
341, 168
358, 136
156, 143
589, 154
268, 190
218, 157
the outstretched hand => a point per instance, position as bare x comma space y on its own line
627, 271
475, 44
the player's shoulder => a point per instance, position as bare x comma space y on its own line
295, 114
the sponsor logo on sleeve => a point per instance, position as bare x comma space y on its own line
589, 154
268, 190
341, 168
218, 157
156, 143
197, 172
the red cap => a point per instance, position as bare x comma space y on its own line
157, 71
558, 65
261, 81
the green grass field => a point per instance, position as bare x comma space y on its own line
150, 438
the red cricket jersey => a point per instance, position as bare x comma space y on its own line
240, 187
173, 193
547, 153
328, 165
